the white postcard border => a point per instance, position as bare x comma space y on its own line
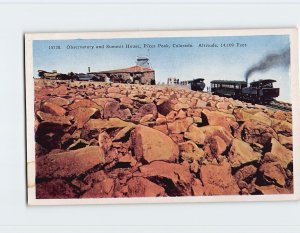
295, 89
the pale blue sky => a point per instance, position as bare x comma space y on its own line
183, 63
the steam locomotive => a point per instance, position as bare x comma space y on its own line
195, 84
259, 92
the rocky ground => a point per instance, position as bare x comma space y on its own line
98, 140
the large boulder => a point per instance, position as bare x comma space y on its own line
262, 117
175, 178
69, 164
280, 154
146, 109
245, 173
82, 115
214, 146
112, 109
242, 115
150, 144
273, 173
166, 106
102, 101
256, 132
64, 120
286, 141
190, 151
84, 103
223, 105
220, 119
200, 134
53, 109
180, 126
241, 153
217, 180
283, 127
94, 126
59, 101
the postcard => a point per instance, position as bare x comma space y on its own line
162, 116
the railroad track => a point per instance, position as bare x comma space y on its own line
280, 106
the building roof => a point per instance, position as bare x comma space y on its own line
133, 69
228, 82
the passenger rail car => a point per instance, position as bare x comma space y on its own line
226, 88
195, 84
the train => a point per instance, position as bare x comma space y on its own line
195, 84
258, 92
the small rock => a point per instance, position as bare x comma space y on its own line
128, 159
175, 178
53, 109
80, 143
272, 189
92, 128
85, 103
245, 172
141, 187
123, 133
147, 118
160, 120
101, 186
102, 101
113, 90
55, 189
105, 141
162, 128
197, 188
279, 115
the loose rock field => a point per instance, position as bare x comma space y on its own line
96, 140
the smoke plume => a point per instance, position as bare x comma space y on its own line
271, 60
